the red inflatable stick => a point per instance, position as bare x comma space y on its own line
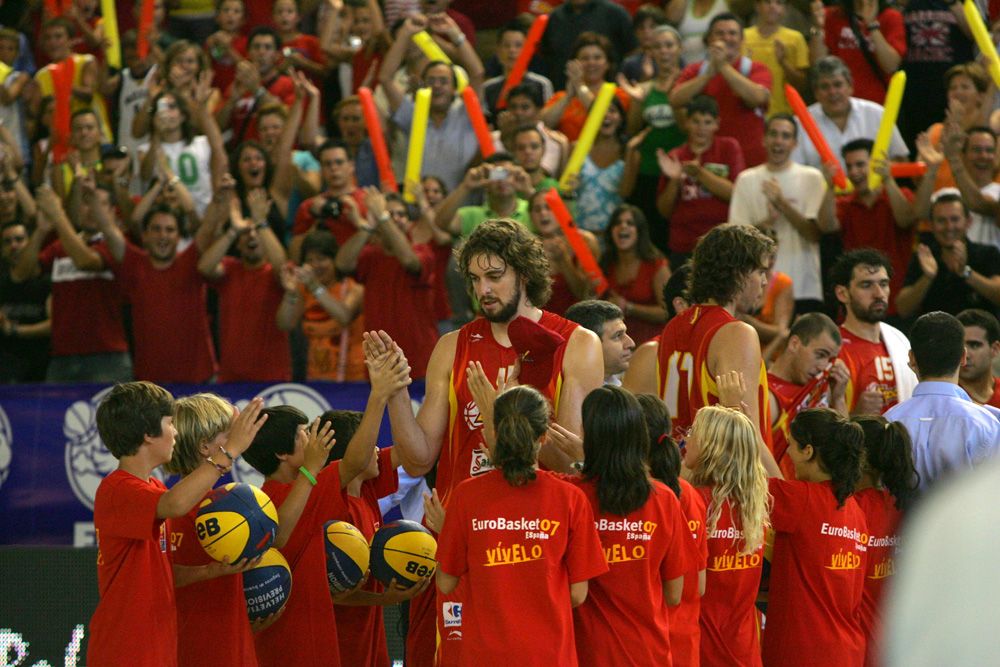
523, 58
907, 169
374, 125
145, 26
817, 138
576, 242
62, 91
478, 121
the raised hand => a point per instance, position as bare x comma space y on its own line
388, 373
244, 427
433, 511
319, 441
569, 443
669, 165
732, 389
927, 262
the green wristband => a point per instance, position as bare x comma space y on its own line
308, 475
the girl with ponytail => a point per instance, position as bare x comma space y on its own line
723, 454
820, 547
643, 532
887, 488
665, 466
523, 544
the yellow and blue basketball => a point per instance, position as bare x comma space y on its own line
404, 551
236, 521
268, 585
347, 555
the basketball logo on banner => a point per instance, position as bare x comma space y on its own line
6, 451
306, 399
88, 461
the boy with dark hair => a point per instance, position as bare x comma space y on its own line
307, 629
135, 421
698, 178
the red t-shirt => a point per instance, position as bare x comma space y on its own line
698, 210
883, 519
224, 68
251, 346
463, 455
217, 604
817, 575
360, 629
729, 628
841, 42
401, 303
306, 633
870, 367
498, 537
442, 255
624, 620
86, 305
342, 228
737, 120
994, 400
685, 630
134, 576
683, 379
245, 110
640, 291
361, 64
875, 227
169, 317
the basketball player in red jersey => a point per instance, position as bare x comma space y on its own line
728, 273
509, 274
803, 377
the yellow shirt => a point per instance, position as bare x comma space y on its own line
43, 78
761, 49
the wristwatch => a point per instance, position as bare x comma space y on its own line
874, 25
966, 272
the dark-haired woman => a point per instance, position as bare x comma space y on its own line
868, 35
644, 535
820, 547
523, 544
887, 488
636, 272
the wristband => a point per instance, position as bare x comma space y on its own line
308, 475
873, 26
221, 468
459, 39
384, 217
318, 290
228, 455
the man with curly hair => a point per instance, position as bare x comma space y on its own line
508, 273
706, 341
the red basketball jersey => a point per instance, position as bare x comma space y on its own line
870, 368
793, 398
684, 381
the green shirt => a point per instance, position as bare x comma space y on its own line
473, 216
666, 134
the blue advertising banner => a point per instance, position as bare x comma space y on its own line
52, 459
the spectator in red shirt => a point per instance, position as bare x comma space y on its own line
330, 209
299, 50
741, 86
398, 276
868, 35
227, 46
697, 179
168, 297
881, 219
251, 346
258, 82
88, 338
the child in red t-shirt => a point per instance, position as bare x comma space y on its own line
360, 628
723, 455
227, 45
644, 535
665, 466
820, 547
135, 422
888, 487
523, 543
300, 51
206, 597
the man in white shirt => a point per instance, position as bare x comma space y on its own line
786, 198
841, 117
972, 156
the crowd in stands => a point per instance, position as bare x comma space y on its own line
213, 210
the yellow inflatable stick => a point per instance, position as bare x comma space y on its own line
418, 133
587, 135
880, 151
426, 43
110, 23
983, 40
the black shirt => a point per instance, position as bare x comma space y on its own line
949, 292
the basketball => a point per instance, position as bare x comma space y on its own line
347, 555
236, 521
267, 586
404, 551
